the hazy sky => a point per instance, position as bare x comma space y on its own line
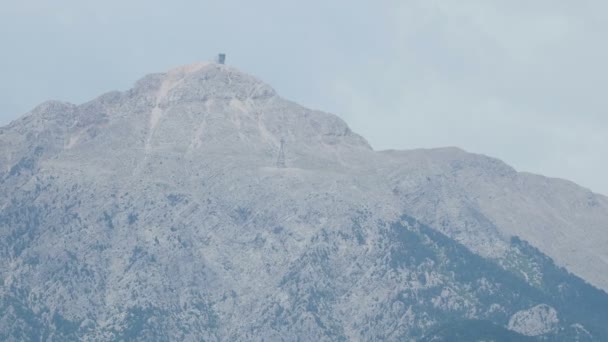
521, 80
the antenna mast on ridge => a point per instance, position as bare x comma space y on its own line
281, 158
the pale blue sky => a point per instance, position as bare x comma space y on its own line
523, 81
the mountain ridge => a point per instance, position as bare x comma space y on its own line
166, 199
190, 84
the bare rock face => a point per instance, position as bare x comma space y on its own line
538, 320
159, 213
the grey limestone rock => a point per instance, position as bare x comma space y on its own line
158, 213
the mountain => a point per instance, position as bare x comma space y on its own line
163, 213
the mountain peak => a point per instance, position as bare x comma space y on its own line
202, 205
202, 81
204, 108
191, 68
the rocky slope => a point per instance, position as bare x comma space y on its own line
159, 213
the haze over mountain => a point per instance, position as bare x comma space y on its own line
160, 213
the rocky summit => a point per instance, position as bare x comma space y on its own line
201, 206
